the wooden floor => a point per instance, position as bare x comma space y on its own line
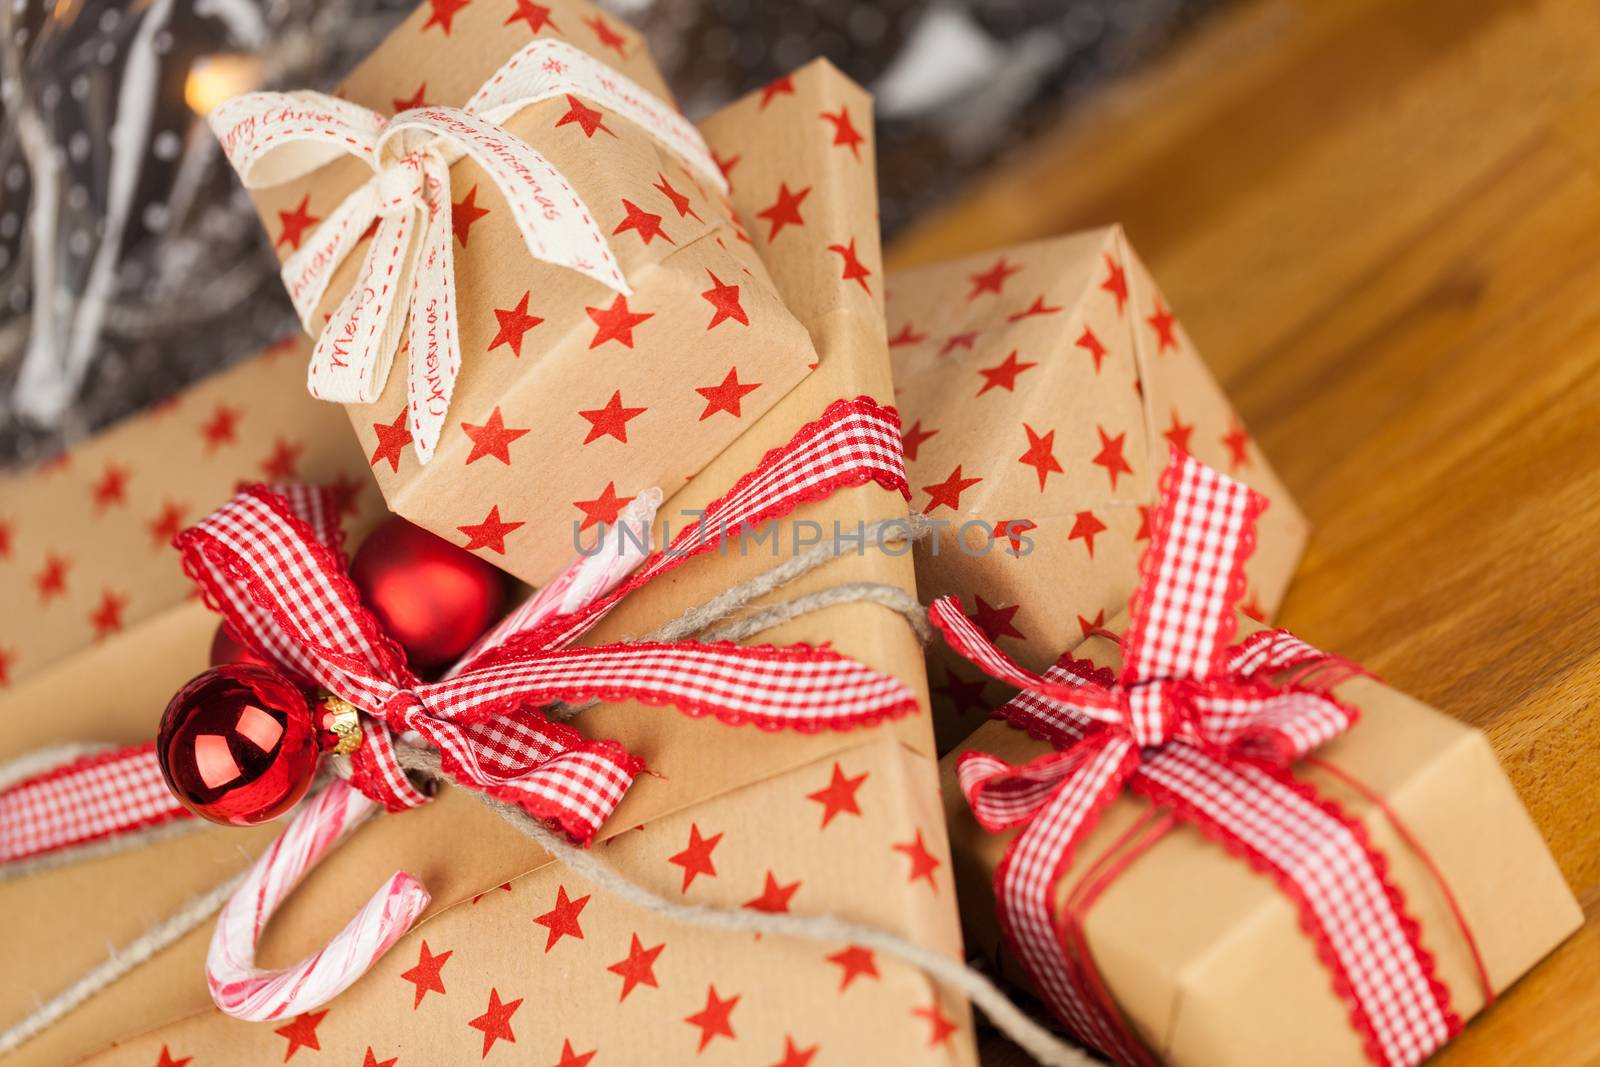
1381, 223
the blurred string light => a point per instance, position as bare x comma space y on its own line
215, 79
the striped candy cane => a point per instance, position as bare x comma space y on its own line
245, 991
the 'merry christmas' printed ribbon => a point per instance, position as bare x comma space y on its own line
274, 138
270, 563
1207, 731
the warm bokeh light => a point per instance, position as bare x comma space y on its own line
215, 79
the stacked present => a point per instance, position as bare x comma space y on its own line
682, 803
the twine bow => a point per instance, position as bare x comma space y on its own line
1206, 730
273, 138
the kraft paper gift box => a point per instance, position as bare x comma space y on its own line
1042, 387
570, 395
846, 823
1207, 961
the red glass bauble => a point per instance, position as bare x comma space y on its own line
226, 648
238, 744
434, 598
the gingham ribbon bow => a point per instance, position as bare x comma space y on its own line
268, 561
273, 138
1206, 730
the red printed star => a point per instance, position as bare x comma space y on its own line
1091, 344
913, 438
993, 279
1040, 455
504, 887
1162, 322
995, 621
444, 11
844, 131
1003, 375
854, 269
106, 618
774, 897
714, 1020
783, 85
680, 202
572, 1058
724, 299
854, 962
415, 100
1089, 626
959, 340
302, 1033
52, 580
940, 1028
371, 1060
1012, 530
727, 396
695, 859
219, 430
1085, 527
608, 37
165, 526
562, 920
165, 1059
111, 488
490, 533
948, 492
1178, 433
537, 16
1116, 282
794, 1055
465, 212
5, 539
646, 224
1144, 524
392, 437
639, 968
726, 166
1110, 456
785, 211
295, 224
603, 508
1237, 442
514, 322
966, 695
495, 1022
492, 438
279, 466
838, 797
616, 322
611, 420
425, 975
1038, 307
7, 658
907, 335
1251, 606
923, 862
585, 117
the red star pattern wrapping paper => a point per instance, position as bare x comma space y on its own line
571, 398
725, 808
1042, 387
1207, 959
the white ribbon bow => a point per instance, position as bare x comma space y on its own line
273, 138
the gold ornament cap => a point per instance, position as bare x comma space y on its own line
343, 721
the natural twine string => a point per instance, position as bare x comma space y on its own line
1021, 1028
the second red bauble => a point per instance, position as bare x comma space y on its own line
432, 597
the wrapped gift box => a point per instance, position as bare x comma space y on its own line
1207, 960
571, 396
779, 803
1042, 388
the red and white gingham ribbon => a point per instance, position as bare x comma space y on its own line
84, 800
269, 561
274, 138
1206, 730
